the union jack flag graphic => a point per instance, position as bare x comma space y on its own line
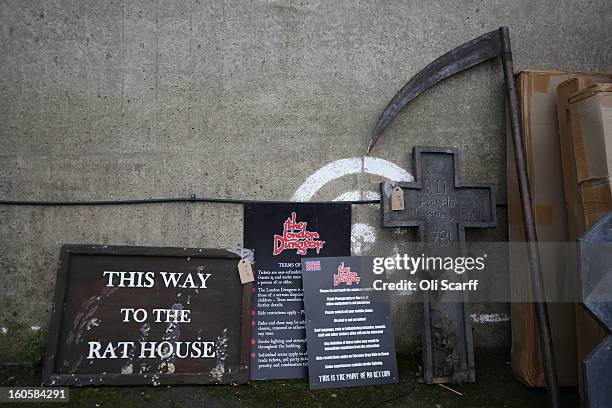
313, 265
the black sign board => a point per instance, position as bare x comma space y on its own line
138, 315
281, 234
441, 206
348, 324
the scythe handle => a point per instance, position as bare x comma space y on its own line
541, 311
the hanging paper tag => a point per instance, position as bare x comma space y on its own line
245, 271
397, 199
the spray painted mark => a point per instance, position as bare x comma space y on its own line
490, 318
353, 165
358, 195
363, 236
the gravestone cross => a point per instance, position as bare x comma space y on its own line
441, 206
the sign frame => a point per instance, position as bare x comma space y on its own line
51, 378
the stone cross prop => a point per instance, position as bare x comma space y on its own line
441, 206
595, 253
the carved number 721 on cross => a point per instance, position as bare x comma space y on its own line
441, 237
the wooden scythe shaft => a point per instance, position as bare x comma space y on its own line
537, 280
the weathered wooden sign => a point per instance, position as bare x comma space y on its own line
139, 315
348, 324
442, 207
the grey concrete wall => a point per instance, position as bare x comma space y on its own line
131, 99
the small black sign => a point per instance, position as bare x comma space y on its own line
138, 315
348, 324
281, 234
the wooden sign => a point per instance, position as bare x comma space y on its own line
139, 315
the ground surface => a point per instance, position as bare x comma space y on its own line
496, 388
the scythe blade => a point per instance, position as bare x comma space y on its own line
471, 53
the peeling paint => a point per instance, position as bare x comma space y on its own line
127, 369
144, 330
221, 354
363, 238
94, 322
144, 336
85, 314
490, 318
172, 334
155, 380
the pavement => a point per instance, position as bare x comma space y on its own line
495, 388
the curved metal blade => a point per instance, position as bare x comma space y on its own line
471, 53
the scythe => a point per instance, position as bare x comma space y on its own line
490, 45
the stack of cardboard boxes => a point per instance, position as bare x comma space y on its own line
586, 108
567, 126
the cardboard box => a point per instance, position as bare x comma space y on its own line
537, 94
591, 127
588, 108
573, 202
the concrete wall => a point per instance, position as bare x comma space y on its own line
131, 99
